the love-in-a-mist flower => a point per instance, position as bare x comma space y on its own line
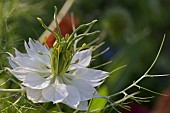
60, 74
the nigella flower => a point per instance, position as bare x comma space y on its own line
58, 75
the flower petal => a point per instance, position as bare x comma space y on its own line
83, 105
37, 46
55, 93
34, 48
86, 90
83, 57
20, 72
35, 81
19, 54
12, 63
28, 62
73, 98
35, 95
94, 77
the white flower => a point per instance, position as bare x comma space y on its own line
56, 75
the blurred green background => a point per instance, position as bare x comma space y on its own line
133, 29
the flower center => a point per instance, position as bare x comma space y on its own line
61, 56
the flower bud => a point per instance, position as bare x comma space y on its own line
59, 49
66, 36
84, 46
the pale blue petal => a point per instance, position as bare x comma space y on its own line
35, 81
85, 89
73, 98
83, 105
55, 93
83, 58
35, 95
94, 77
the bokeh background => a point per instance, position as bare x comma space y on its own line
133, 29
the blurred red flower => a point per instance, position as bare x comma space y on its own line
136, 108
162, 105
65, 27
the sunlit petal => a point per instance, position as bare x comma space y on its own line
83, 58
83, 105
35, 81
94, 77
55, 93
35, 95
73, 98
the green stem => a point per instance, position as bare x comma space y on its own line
12, 90
45, 27
80, 27
80, 37
117, 69
58, 108
143, 76
55, 18
156, 56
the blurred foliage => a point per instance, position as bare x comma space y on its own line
133, 29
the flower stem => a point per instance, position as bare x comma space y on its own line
12, 90
58, 108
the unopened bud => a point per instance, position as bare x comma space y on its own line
84, 46
66, 36
59, 48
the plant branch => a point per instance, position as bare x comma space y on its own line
12, 90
